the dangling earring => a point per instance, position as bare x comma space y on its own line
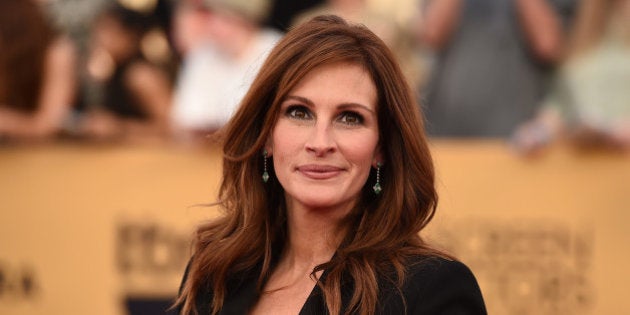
265, 175
377, 187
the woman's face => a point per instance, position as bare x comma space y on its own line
326, 138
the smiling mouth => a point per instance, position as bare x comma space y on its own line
319, 171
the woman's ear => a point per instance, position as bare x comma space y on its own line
378, 158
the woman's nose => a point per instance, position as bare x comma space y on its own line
321, 140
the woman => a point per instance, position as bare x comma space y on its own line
327, 181
37, 73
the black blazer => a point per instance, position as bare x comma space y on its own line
432, 286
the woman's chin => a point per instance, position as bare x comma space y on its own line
324, 203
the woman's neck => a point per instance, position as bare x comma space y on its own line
313, 237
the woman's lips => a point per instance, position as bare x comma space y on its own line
315, 171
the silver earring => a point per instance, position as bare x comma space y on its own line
265, 175
377, 187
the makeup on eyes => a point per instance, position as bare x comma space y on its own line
298, 112
300, 108
356, 118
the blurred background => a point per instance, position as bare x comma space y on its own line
107, 108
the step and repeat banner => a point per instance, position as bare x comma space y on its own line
107, 229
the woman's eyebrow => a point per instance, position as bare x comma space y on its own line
301, 99
342, 105
354, 105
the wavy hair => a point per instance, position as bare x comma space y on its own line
382, 230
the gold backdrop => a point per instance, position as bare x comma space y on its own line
85, 228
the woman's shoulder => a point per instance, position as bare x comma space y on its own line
427, 267
436, 285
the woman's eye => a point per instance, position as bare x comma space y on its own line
351, 118
298, 112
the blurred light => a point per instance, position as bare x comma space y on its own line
142, 6
101, 65
154, 46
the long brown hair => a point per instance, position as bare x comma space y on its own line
383, 229
25, 36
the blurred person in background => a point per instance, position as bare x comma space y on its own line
396, 35
590, 102
129, 62
37, 73
283, 12
189, 28
223, 45
357, 11
492, 60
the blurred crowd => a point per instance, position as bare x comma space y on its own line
530, 72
